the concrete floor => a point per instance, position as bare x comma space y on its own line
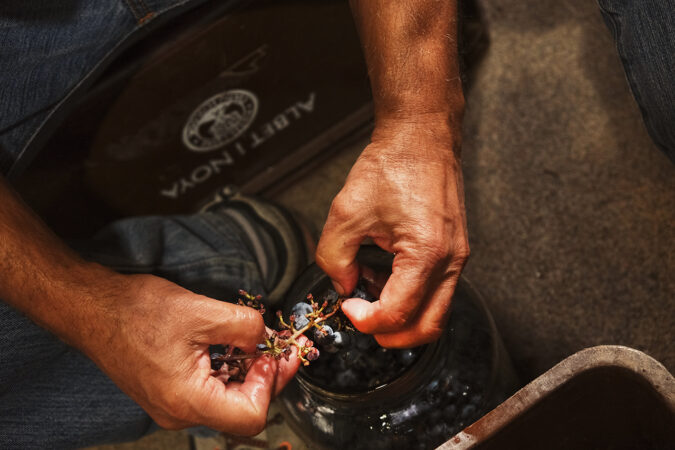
571, 207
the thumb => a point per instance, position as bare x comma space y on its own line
235, 325
401, 297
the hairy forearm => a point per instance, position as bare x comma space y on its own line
411, 52
42, 277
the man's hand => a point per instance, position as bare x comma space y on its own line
153, 342
150, 336
405, 191
411, 204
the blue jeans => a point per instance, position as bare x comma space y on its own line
51, 52
52, 396
644, 31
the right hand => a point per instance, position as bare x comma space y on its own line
153, 342
406, 193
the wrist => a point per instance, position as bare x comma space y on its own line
433, 103
421, 135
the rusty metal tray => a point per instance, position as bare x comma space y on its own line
605, 397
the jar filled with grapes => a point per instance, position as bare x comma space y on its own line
359, 395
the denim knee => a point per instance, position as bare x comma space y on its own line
644, 33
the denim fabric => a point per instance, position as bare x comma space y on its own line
644, 31
51, 50
51, 396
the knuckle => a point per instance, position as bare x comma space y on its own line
397, 318
433, 247
339, 208
462, 252
436, 252
321, 260
332, 266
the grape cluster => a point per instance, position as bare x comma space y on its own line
351, 360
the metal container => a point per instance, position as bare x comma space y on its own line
605, 397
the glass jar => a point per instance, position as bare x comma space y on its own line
451, 383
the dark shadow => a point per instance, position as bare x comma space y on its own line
39, 12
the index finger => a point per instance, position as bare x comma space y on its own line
339, 243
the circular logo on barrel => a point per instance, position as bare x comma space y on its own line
220, 120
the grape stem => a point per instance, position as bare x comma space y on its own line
276, 345
314, 322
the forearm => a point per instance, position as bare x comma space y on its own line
411, 52
43, 278
405, 191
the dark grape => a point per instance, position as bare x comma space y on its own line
406, 356
298, 313
324, 336
468, 411
346, 378
301, 308
360, 293
364, 341
342, 339
331, 297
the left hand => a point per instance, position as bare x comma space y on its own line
152, 337
406, 193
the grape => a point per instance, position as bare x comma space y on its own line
302, 308
468, 411
342, 339
331, 297
324, 336
406, 357
313, 354
331, 348
300, 321
450, 412
364, 341
360, 293
298, 313
347, 378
